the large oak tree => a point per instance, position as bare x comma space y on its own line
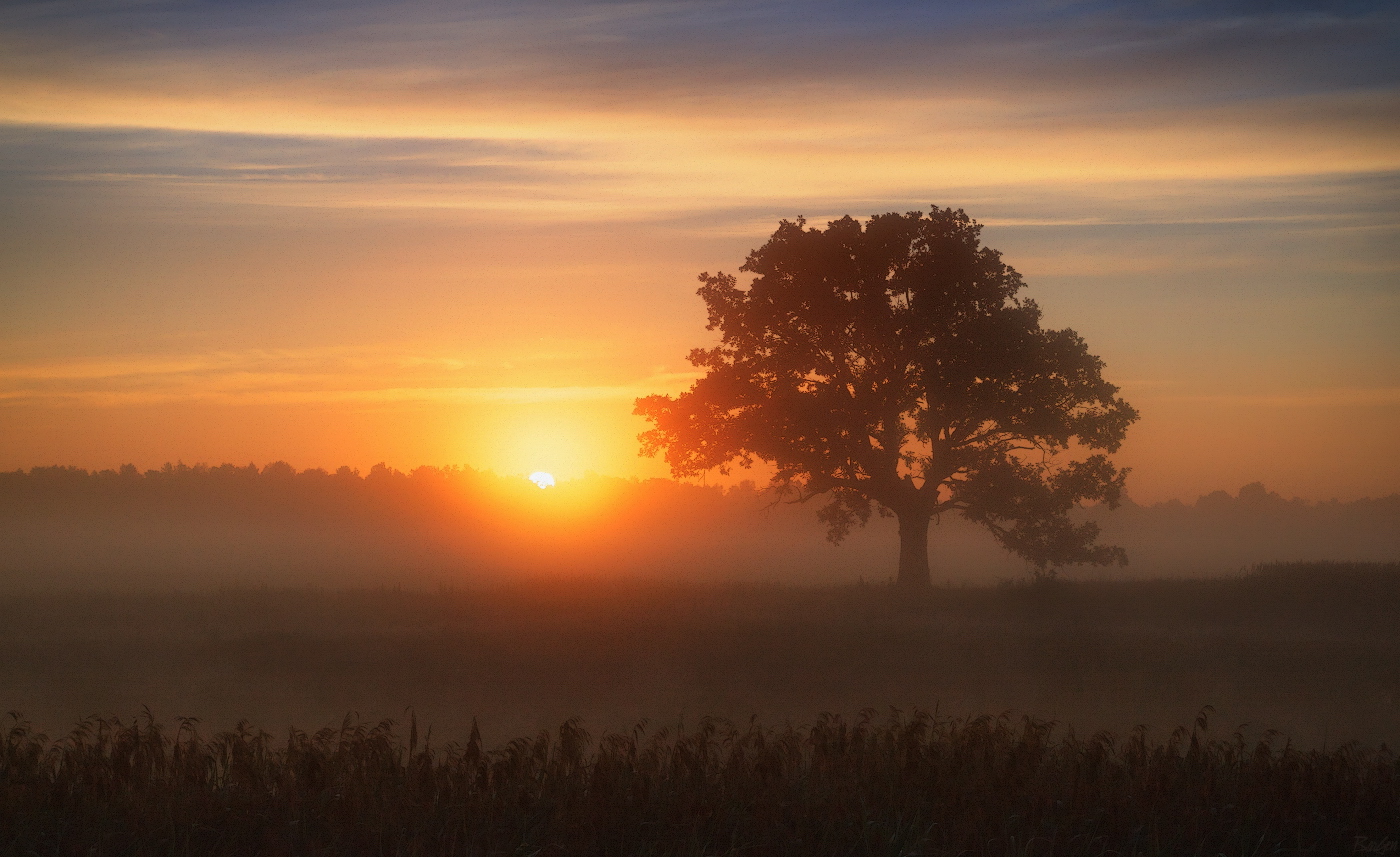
893, 364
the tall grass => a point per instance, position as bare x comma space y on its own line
915, 784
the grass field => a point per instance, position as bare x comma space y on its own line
1309, 650
903, 785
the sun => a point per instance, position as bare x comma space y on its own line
542, 479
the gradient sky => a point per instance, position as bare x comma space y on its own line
433, 233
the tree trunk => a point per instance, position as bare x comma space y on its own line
913, 551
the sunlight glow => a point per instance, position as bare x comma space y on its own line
542, 479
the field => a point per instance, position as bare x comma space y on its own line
907, 785
1311, 651
1307, 650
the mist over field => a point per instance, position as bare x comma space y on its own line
294, 598
201, 528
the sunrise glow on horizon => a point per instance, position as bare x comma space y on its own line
344, 233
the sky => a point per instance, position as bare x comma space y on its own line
339, 233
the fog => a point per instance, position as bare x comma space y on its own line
294, 598
202, 528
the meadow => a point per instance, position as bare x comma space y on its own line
900, 785
1051, 717
1310, 650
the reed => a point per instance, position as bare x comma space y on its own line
896, 784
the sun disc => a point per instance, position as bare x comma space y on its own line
542, 479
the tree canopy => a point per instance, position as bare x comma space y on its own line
892, 366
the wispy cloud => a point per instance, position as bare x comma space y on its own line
1101, 88
1344, 397
316, 375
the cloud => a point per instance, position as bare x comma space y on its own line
633, 109
308, 375
191, 156
367, 68
563, 180
327, 172
694, 45
1346, 397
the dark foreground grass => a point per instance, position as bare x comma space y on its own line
896, 785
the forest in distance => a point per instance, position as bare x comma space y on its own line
201, 527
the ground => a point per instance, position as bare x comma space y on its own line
1314, 655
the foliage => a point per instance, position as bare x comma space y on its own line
893, 363
919, 784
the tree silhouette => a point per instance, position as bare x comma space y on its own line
893, 364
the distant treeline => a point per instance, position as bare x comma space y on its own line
903, 785
229, 525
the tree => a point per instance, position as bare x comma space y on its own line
893, 365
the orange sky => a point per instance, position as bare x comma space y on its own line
340, 233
